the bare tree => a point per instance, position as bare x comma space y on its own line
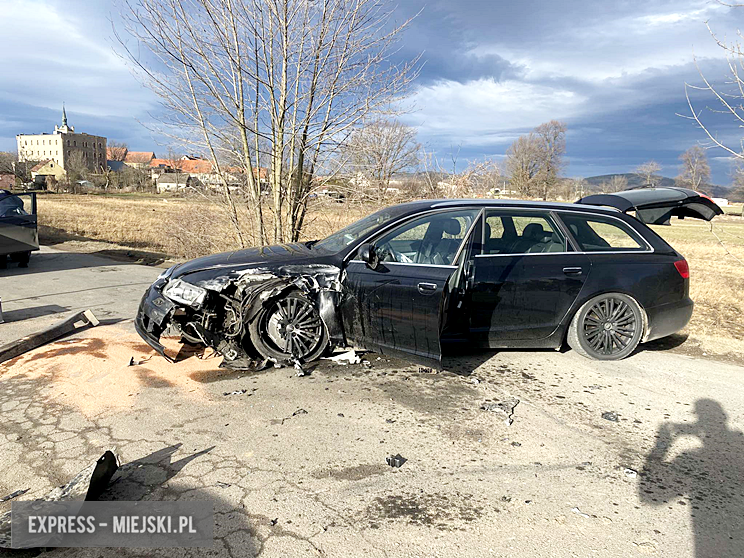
617, 183
552, 143
284, 80
76, 167
523, 164
117, 151
650, 173
695, 169
382, 148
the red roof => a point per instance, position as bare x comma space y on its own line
202, 166
139, 157
192, 166
195, 166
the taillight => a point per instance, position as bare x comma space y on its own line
683, 268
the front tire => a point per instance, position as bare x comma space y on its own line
289, 328
607, 327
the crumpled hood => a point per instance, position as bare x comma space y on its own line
254, 264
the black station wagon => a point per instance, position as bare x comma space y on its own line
413, 278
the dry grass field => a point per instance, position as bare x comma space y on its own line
185, 228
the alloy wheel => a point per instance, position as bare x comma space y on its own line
294, 327
609, 326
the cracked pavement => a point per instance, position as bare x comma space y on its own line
560, 481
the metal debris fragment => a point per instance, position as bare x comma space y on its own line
395, 460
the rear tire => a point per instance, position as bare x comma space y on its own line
23, 259
607, 327
289, 328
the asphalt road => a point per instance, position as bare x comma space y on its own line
640, 457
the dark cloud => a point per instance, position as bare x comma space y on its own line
491, 70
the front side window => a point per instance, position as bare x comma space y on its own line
595, 233
430, 240
521, 232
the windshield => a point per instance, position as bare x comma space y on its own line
359, 229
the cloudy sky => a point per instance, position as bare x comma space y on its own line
613, 71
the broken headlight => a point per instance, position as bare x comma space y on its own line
185, 293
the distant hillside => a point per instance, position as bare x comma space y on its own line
635, 180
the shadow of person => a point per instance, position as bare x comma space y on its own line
705, 473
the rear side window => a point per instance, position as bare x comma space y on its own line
517, 232
595, 233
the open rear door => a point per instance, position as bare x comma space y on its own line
656, 206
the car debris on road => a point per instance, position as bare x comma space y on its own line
73, 323
396, 461
611, 416
87, 485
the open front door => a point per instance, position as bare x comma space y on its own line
656, 206
18, 227
396, 308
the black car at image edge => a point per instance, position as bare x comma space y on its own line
411, 279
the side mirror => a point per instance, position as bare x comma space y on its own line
368, 255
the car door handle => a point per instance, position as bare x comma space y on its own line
427, 288
572, 270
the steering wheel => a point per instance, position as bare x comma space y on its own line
386, 249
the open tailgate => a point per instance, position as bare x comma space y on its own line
656, 206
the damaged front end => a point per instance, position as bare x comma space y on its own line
214, 306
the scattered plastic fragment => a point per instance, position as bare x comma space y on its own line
577, 511
630, 473
14, 495
349, 357
299, 412
611, 416
395, 460
236, 392
133, 362
88, 485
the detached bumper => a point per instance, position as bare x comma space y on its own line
152, 318
668, 318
